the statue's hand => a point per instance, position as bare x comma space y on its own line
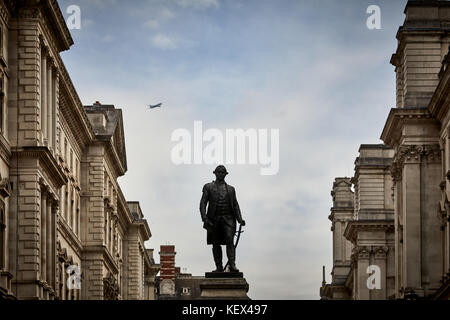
242, 223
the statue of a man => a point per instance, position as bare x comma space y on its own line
220, 219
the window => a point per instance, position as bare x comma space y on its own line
66, 204
1, 41
2, 234
71, 161
63, 194
2, 102
186, 290
65, 150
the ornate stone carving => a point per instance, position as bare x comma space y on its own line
396, 171
5, 187
414, 153
432, 152
361, 252
380, 252
110, 287
29, 13
409, 153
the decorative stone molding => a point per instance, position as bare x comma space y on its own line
432, 153
396, 171
355, 226
5, 187
448, 175
111, 288
414, 154
29, 13
409, 153
4, 13
380, 252
361, 252
398, 117
47, 161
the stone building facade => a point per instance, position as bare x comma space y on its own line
62, 213
401, 220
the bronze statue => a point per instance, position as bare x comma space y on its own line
220, 219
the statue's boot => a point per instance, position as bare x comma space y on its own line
217, 253
231, 254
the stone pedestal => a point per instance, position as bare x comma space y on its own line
224, 286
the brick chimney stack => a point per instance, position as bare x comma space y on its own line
167, 260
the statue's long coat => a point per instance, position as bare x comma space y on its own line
210, 197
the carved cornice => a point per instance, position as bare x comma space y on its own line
73, 120
440, 102
29, 13
46, 160
49, 14
355, 226
398, 117
108, 259
68, 234
59, 24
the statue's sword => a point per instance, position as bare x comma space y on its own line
237, 240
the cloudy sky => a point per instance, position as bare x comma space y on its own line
310, 68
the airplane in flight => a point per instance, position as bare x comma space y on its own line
155, 106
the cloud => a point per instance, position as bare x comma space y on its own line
199, 4
151, 23
165, 14
162, 14
164, 42
108, 38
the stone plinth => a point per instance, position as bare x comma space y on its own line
224, 286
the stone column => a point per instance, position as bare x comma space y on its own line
107, 228
363, 256
63, 199
50, 245
447, 251
44, 95
111, 233
396, 173
67, 205
421, 228
55, 100
64, 282
379, 259
74, 210
50, 104
412, 241
79, 217
43, 234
